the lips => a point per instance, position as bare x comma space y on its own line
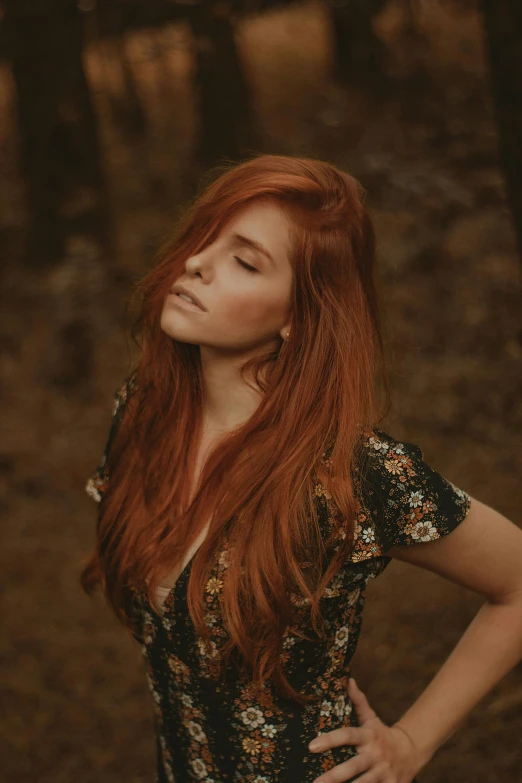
179, 289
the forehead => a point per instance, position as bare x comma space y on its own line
263, 222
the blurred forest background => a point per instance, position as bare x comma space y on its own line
112, 114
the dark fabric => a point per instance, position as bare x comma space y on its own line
217, 732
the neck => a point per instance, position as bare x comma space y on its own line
227, 400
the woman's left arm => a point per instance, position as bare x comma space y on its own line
484, 554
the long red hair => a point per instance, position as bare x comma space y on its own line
321, 388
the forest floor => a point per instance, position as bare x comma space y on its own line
76, 706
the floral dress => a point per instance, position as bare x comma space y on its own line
209, 732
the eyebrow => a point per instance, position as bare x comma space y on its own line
253, 244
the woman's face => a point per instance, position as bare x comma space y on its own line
244, 309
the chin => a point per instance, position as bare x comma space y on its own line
170, 329
180, 335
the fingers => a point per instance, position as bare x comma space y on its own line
346, 735
362, 706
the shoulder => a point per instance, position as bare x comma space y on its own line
411, 501
125, 391
379, 443
401, 463
383, 460
122, 395
97, 483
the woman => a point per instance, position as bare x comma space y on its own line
246, 496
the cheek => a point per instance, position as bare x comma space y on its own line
253, 311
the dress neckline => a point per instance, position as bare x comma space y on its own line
169, 593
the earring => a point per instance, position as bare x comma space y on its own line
287, 335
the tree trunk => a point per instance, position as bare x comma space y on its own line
359, 55
503, 33
59, 150
227, 125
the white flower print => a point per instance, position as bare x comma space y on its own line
195, 731
299, 600
353, 598
268, 730
202, 645
186, 700
326, 708
252, 717
92, 491
348, 708
211, 619
289, 642
261, 779
336, 582
223, 558
416, 499
200, 768
424, 531
341, 637
368, 535
379, 445
339, 705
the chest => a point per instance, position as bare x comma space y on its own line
168, 580
171, 639
327, 510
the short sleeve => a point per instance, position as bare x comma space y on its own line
97, 483
410, 501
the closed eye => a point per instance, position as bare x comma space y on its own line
245, 265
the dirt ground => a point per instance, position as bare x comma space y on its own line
76, 706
